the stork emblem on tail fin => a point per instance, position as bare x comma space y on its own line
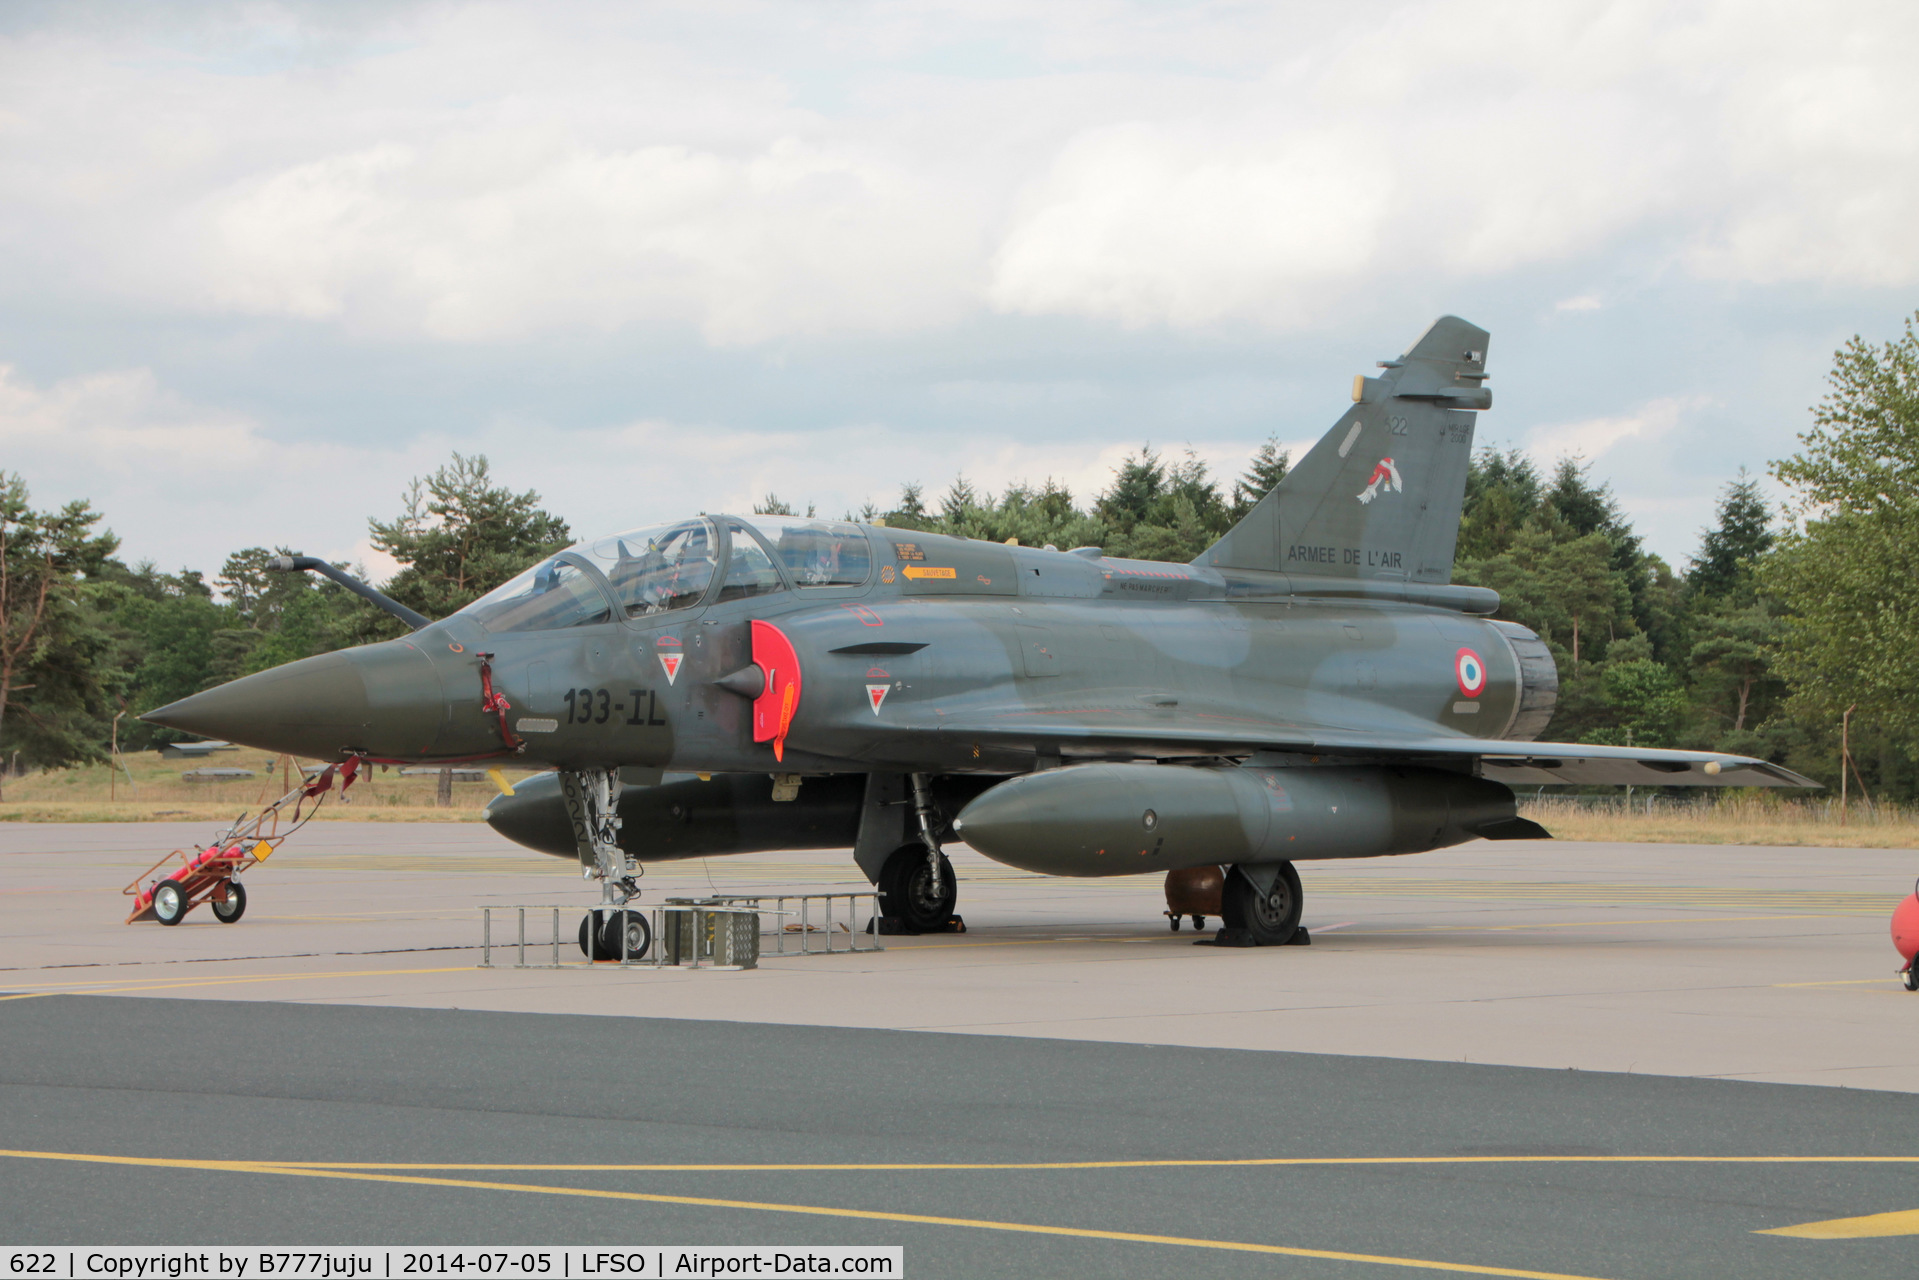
1385, 480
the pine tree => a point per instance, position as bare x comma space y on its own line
461, 536
1261, 477
1723, 568
52, 648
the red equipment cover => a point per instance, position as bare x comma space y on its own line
773, 709
1905, 927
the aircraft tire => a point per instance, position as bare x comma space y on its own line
590, 936
906, 894
639, 935
169, 902
230, 911
1270, 920
1912, 976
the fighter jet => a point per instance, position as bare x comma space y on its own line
1313, 686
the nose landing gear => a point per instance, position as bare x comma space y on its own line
600, 935
592, 799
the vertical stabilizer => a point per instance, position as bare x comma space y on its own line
1380, 495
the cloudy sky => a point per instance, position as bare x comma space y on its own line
264, 263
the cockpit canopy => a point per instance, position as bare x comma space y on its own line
669, 567
817, 553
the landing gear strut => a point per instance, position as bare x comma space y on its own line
917, 886
592, 804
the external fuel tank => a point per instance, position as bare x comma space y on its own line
1123, 819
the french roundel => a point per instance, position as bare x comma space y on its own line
1471, 672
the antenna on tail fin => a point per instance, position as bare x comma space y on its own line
1380, 495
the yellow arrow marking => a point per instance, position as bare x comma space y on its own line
1903, 1223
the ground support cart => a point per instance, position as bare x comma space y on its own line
182, 880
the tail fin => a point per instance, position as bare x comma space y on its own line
1380, 495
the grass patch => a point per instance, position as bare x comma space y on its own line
158, 792
1741, 818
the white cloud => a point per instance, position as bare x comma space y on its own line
943, 192
791, 238
190, 483
470, 173
1145, 225
195, 484
120, 425
1593, 438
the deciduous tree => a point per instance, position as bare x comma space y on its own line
1848, 572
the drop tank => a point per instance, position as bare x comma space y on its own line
1124, 819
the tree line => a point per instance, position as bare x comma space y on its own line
1781, 624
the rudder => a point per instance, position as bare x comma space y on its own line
1380, 495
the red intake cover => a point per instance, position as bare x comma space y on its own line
773, 709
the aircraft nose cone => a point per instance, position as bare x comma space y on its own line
383, 699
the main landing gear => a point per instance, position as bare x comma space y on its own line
592, 804
917, 887
1257, 916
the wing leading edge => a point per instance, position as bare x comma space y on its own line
1515, 763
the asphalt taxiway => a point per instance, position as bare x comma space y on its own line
1500, 1059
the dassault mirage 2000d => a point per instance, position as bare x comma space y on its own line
1312, 686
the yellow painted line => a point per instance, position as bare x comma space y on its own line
1903, 1223
1362, 931
1011, 942
1247, 1163
1582, 924
56, 987
821, 1211
1849, 982
28, 995
122, 986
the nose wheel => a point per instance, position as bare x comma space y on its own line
600, 935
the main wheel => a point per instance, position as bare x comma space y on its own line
1270, 918
909, 894
639, 935
169, 902
1912, 976
234, 907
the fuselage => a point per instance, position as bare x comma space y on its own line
915, 652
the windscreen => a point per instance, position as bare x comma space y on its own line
546, 597
818, 553
659, 569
